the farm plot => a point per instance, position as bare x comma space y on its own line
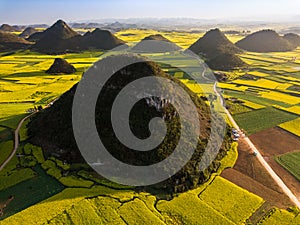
12, 121
252, 105
252, 97
101, 201
231, 201
221, 205
258, 74
24, 83
254, 62
131, 212
275, 141
261, 83
30, 192
290, 161
236, 108
196, 212
231, 86
280, 217
270, 60
277, 96
262, 119
292, 126
118, 205
293, 109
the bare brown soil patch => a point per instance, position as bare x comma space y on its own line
275, 141
249, 174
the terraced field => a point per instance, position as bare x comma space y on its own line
106, 202
23, 86
231, 202
105, 205
268, 97
267, 85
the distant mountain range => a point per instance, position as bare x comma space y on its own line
185, 24
60, 38
218, 52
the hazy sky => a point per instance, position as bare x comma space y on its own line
48, 11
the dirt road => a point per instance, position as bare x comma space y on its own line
276, 178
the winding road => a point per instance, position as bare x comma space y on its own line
16, 141
16, 137
259, 156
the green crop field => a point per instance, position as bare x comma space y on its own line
5, 150
290, 161
11, 175
262, 119
271, 80
120, 206
23, 85
30, 192
72, 181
